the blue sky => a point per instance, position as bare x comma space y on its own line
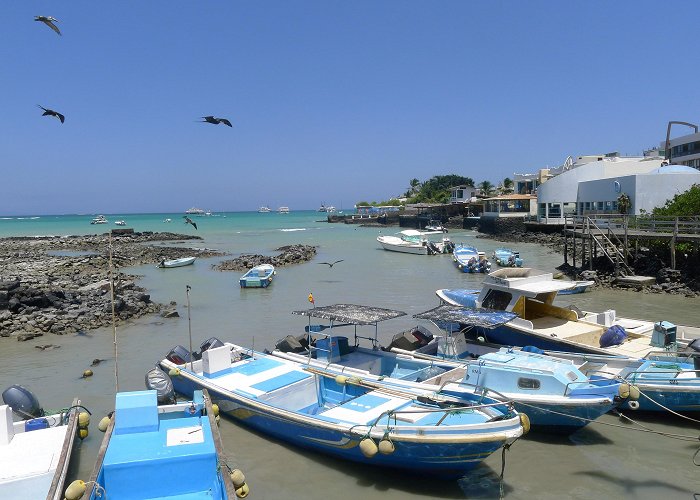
332, 101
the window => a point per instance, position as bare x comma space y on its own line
528, 383
497, 299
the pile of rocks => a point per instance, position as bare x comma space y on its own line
291, 254
63, 284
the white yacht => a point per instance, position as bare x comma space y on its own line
195, 211
100, 219
264, 210
283, 210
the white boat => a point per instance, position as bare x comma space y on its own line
167, 220
35, 452
100, 219
195, 211
264, 210
184, 261
577, 287
283, 210
120, 223
435, 225
258, 277
416, 242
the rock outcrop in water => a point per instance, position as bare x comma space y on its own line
290, 254
62, 284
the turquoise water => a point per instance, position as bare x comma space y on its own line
597, 462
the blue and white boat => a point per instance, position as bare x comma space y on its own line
347, 417
552, 392
507, 257
169, 451
530, 294
258, 277
469, 260
576, 287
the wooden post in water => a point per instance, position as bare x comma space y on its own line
590, 246
673, 244
566, 238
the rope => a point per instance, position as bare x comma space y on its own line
669, 409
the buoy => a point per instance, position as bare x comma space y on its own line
87, 373
243, 491
75, 490
104, 423
386, 447
525, 422
174, 372
368, 447
624, 391
237, 477
83, 433
634, 392
83, 419
215, 409
341, 379
634, 405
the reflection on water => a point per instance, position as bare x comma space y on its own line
643, 465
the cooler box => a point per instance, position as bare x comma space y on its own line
664, 334
329, 349
36, 424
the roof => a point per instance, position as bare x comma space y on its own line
486, 318
351, 313
675, 169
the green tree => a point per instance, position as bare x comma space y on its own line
486, 187
682, 205
507, 185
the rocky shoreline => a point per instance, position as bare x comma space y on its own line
681, 281
290, 254
61, 285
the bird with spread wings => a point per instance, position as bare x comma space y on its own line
190, 221
48, 21
216, 121
331, 264
51, 112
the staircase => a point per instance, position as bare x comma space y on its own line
609, 244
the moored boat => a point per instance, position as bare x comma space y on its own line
347, 417
576, 287
258, 277
100, 219
195, 211
184, 261
469, 260
264, 210
36, 451
507, 257
283, 210
416, 242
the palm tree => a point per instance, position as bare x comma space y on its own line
507, 186
486, 187
415, 185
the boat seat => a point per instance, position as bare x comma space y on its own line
215, 361
7, 430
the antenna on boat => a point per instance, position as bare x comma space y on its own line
189, 322
114, 321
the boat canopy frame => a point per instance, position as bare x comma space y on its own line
479, 317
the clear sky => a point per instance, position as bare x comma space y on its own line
331, 101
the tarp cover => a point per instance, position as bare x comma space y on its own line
351, 313
485, 318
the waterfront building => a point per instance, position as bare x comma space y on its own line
510, 205
684, 150
463, 194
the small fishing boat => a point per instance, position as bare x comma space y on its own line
36, 451
163, 451
258, 277
416, 242
435, 225
347, 417
576, 287
507, 257
120, 223
530, 294
553, 393
184, 261
469, 260
100, 219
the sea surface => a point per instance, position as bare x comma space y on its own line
611, 458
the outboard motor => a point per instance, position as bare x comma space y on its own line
179, 355
210, 343
158, 380
23, 403
694, 348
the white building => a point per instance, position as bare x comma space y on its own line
463, 194
685, 150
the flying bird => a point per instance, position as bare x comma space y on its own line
189, 221
51, 112
331, 264
216, 121
48, 21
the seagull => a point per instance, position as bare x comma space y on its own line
330, 264
51, 112
48, 21
189, 221
216, 121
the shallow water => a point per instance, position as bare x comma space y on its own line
600, 461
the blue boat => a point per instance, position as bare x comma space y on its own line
507, 257
167, 451
553, 392
530, 294
347, 417
469, 260
577, 287
258, 277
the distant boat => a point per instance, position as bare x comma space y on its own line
195, 211
435, 225
100, 219
283, 210
120, 223
507, 257
185, 261
167, 220
35, 452
264, 210
415, 242
577, 287
469, 260
258, 277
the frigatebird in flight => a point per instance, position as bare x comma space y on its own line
331, 264
189, 221
48, 21
216, 121
51, 112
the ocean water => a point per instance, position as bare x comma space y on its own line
606, 459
